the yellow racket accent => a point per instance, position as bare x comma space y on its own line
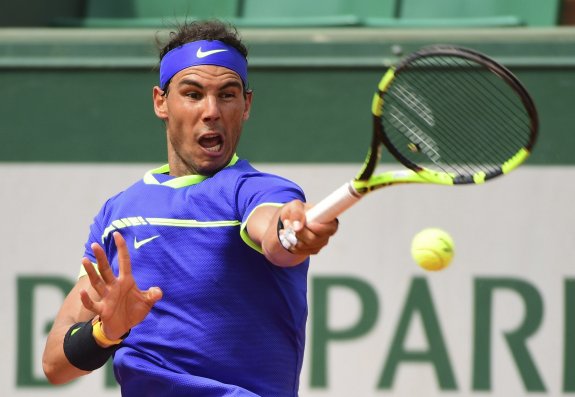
439, 178
377, 102
479, 178
514, 161
386, 79
377, 105
402, 176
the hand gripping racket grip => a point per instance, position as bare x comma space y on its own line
330, 207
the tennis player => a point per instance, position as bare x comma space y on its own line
185, 281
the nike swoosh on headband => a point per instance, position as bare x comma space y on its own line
203, 54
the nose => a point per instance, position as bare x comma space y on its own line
211, 108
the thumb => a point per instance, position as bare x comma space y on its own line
153, 294
293, 215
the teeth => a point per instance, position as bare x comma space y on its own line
211, 143
214, 148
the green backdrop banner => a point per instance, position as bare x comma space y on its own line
85, 95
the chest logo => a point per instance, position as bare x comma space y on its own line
138, 244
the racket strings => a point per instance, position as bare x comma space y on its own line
497, 106
482, 99
456, 85
508, 101
446, 145
410, 131
456, 114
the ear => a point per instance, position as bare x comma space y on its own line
160, 103
248, 105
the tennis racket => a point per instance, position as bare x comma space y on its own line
451, 116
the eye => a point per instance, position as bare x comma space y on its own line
227, 95
194, 95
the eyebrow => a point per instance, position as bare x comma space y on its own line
230, 84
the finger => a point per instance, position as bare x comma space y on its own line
310, 246
286, 235
315, 236
88, 303
123, 255
103, 264
291, 221
324, 229
288, 239
95, 280
289, 235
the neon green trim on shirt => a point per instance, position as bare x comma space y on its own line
181, 181
244, 232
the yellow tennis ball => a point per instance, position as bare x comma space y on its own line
432, 249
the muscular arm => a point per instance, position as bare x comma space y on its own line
262, 228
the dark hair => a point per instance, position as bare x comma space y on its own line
203, 30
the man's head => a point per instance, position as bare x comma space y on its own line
203, 96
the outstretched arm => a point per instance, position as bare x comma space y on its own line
116, 300
311, 237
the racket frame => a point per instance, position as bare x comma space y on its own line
365, 181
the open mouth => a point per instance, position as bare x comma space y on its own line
212, 143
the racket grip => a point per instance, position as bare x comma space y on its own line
330, 207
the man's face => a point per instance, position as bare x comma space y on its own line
204, 112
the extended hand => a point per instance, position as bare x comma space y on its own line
122, 305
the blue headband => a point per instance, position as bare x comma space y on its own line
203, 52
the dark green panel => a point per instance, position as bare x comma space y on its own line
553, 91
86, 95
298, 115
79, 115
309, 115
38, 12
87, 115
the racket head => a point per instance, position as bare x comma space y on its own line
452, 115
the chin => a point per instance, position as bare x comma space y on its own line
211, 169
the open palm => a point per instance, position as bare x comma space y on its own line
122, 305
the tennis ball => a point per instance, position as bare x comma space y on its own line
432, 249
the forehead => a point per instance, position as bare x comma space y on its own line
207, 74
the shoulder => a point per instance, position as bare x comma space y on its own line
245, 172
135, 189
253, 187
